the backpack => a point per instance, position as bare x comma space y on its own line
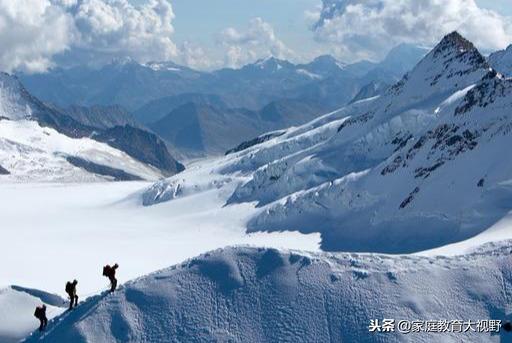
69, 287
37, 313
106, 270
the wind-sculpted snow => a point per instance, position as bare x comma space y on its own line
266, 295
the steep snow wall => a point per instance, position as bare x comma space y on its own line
265, 295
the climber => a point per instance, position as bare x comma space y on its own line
40, 314
110, 272
71, 291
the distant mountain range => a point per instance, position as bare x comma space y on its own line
420, 166
100, 116
267, 95
132, 85
44, 143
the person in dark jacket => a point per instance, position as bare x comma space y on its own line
110, 272
40, 314
71, 291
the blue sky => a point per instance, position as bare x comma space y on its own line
207, 34
502, 6
200, 21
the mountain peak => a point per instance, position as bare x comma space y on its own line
164, 66
271, 63
14, 104
452, 65
454, 40
327, 60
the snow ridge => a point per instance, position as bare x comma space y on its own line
265, 295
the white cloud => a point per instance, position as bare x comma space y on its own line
118, 28
369, 28
196, 57
31, 33
259, 40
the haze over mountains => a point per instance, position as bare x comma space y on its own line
189, 108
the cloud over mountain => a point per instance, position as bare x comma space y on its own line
259, 40
115, 27
34, 31
369, 28
31, 32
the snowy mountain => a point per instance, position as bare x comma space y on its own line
267, 295
253, 86
418, 167
419, 170
30, 152
154, 90
501, 61
40, 143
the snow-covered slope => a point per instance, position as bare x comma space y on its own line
34, 153
39, 144
421, 166
502, 61
265, 295
12, 104
17, 306
415, 182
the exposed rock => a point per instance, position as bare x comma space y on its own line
141, 145
116, 174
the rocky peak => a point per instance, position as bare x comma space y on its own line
452, 65
454, 41
271, 64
